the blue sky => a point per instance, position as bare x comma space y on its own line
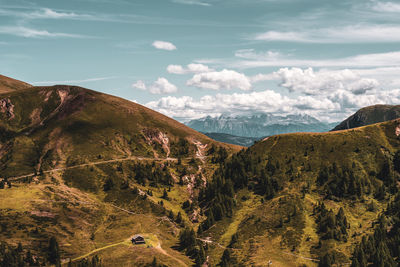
192, 58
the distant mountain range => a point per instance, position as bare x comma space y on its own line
233, 139
259, 125
113, 169
370, 115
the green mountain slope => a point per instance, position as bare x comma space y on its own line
83, 172
370, 115
304, 198
8, 84
92, 170
64, 125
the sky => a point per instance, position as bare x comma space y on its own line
193, 58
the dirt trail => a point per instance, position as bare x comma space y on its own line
98, 163
92, 164
162, 251
126, 242
97, 250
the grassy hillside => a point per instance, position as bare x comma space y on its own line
92, 170
8, 84
370, 115
50, 127
82, 172
302, 198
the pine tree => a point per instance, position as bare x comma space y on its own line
154, 262
179, 217
53, 252
165, 194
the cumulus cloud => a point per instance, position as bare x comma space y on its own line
217, 80
311, 83
160, 86
162, 45
187, 107
328, 95
191, 68
331, 106
140, 85
347, 34
347, 100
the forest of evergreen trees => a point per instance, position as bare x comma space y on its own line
331, 226
193, 247
17, 256
154, 174
382, 248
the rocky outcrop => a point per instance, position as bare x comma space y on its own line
157, 137
7, 108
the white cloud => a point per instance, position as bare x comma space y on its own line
47, 13
347, 34
217, 80
282, 36
191, 2
386, 7
191, 68
160, 86
311, 83
33, 33
329, 95
330, 106
253, 59
347, 100
139, 85
387, 77
164, 45
75, 81
252, 54
262, 77
187, 107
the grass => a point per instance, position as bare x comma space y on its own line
295, 242
84, 225
89, 124
8, 84
92, 127
19, 198
247, 207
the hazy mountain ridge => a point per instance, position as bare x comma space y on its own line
233, 139
259, 125
91, 170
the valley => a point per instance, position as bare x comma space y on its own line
83, 172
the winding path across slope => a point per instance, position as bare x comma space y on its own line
97, 163
126, 242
